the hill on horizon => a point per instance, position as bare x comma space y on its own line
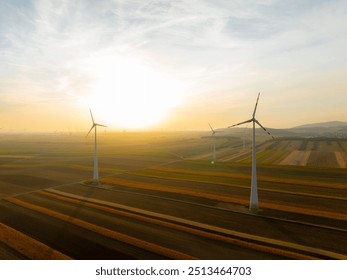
329, 124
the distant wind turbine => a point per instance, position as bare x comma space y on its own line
253, 206
214, 144
96, 170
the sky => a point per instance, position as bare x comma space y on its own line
171, 65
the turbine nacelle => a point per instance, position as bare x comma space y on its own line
213, 131
253, 119
94, 123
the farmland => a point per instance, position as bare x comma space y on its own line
160, 197
312, 152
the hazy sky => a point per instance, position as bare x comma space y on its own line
171, 64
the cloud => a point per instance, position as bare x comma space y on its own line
216, 47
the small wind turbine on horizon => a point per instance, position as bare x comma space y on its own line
253, 205
96, 170
214, 144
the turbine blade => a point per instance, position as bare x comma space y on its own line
91, 114
97, 124
256, 105
210, 126
240, 123
90, 130
264, 128
213, 132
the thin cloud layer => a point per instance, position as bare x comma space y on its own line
221, 50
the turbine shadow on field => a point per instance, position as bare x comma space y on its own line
73, 215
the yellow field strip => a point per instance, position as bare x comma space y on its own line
160, 250
17, 156
239, 155
238, 186
224, 198
305, 158
340, 159
28, 246
165, 188
241, 176
306, 211
200, 228
191, 230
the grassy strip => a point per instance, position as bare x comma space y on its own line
264, 188
27, 246
266, 156
90, 167
170, 189
303, 145
67, 165
157, 249
237, 157
175, 226
223, 198
24, 165
306, 211
216, 174
276, 157
247, 160
274, 145
219, 179
322, 159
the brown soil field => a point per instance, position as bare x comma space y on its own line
304, 152
155, 202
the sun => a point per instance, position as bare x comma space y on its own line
128, 94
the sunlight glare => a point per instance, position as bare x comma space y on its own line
128, 94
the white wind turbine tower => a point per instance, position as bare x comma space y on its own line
253, 204
96, 170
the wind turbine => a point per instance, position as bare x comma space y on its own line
253, 205
96, 171
214, 145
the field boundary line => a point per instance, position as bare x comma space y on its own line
169, 189
179, 226
241, 186
207, 227
151, 247
27, 246
223, 198
239, 176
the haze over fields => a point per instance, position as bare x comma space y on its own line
172, 65
160, 197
